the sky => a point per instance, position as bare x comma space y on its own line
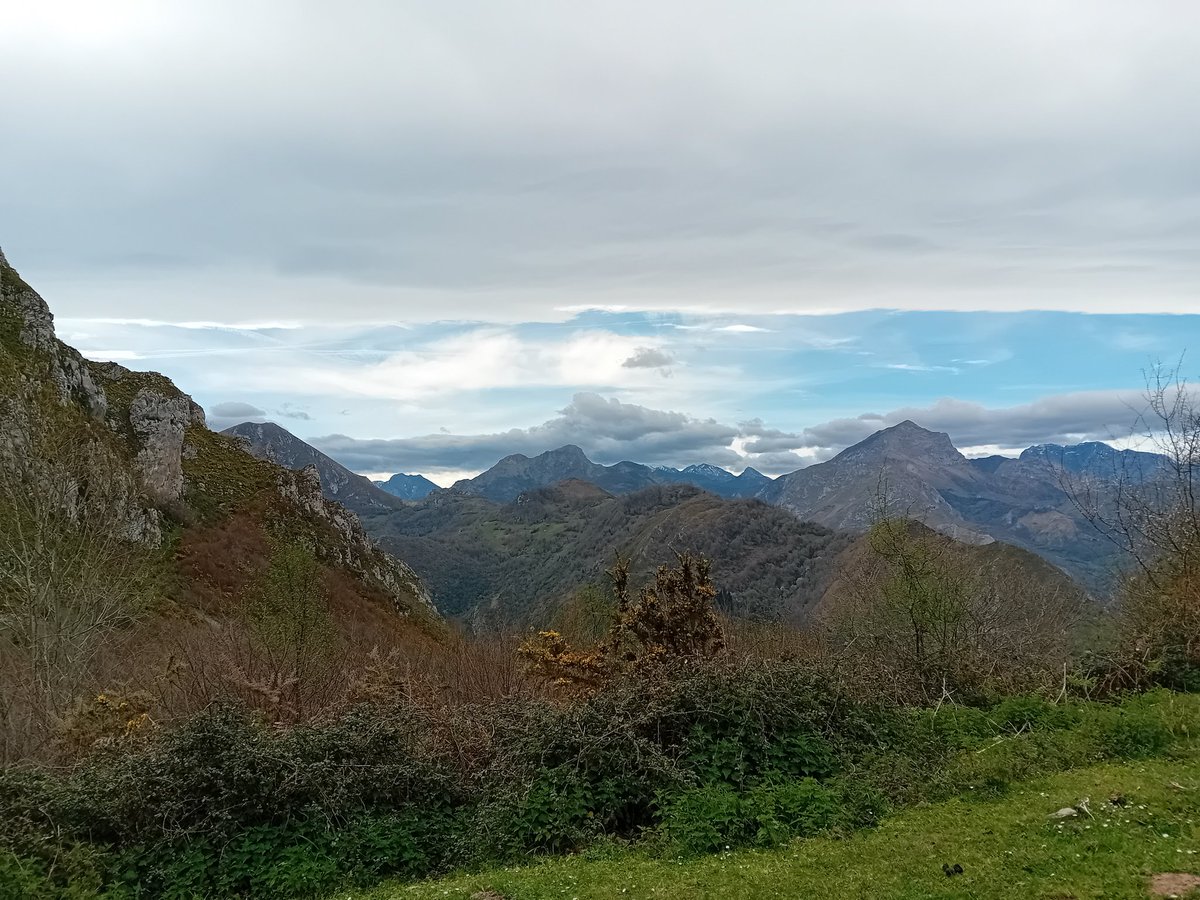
425, 235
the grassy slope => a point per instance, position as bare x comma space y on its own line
1008, 847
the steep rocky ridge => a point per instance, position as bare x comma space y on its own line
173, 474
269, 441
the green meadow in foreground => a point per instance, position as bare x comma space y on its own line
1143, 822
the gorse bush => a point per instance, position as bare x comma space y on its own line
668, 621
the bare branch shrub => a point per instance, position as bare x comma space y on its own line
920, 618
1153, 515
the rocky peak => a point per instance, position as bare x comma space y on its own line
160, 422
906, 440
1094, 458
36, 320
162, 462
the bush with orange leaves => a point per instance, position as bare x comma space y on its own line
670, 620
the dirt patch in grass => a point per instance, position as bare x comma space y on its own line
1174, 884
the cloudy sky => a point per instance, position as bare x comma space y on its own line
426, 234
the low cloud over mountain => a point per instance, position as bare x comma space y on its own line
612, 430
1057, 419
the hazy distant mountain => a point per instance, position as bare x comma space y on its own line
1097, 459
510, 544
914, 472
909, 465
716, 480
269, 441
920, 474
407, 487
518, 473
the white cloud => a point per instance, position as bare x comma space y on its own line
234, 409
477, 360
610, 430
648, 358
917, 367
1058, 418
740, 328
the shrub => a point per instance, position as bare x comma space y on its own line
1027, 713
715, 817
993, 768
665, 622
702, 756
1130, 732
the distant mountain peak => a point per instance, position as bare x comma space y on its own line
709, 470
908, 429
517, 474
407, 487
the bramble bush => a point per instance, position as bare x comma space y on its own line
702, 756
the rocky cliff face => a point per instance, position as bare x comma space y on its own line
168, 467
354, 550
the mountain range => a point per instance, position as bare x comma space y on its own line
515, 474
1028, 501
513, 563
510, 542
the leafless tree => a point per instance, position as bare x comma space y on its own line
69, 573
1151, 513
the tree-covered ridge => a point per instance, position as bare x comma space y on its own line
513, 563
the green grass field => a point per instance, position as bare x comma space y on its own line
1007, 847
